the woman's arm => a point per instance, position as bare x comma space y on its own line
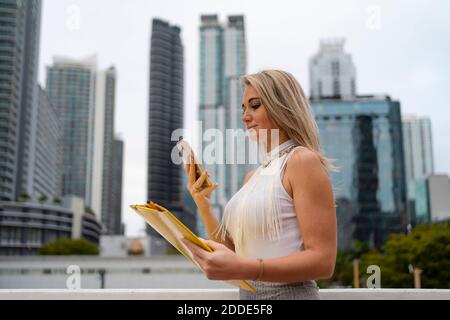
203, 201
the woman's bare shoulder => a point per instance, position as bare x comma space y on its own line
305, 156
303, 162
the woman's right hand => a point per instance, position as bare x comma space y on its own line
202, 197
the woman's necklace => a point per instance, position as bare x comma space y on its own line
280, 151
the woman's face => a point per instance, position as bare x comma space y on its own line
255, 116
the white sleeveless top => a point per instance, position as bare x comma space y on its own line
255, 243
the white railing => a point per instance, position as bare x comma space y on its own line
214, 294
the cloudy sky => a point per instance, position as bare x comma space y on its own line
400, 47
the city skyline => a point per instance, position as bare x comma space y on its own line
31, 139
378, 47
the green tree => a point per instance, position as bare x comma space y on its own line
358, 249
65, 246
43, 198
427, 247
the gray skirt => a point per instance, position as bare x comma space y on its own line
307, 290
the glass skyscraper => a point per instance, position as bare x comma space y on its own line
19, 56
419, 164
47, 151
363, 134
364, 137
222, 62
85, 99
422, 211
106, 139
71, 89
115, 223
166, 102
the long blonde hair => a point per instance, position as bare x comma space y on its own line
288, 107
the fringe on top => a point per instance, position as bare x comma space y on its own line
270, 226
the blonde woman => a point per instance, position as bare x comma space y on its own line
279, 230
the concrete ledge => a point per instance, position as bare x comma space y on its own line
214, 294
385, 294
120, 294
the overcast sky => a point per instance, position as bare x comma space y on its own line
399, 47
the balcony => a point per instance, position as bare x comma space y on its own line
214, 294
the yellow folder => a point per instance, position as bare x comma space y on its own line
173, 230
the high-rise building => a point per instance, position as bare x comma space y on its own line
332, 72
85, 99
71, 89
19, 56
439, 197
422, 212
364, 137
417, 141
222, 62
432, 199
47, 151
31, 132
109, 212
115, 224
166, 101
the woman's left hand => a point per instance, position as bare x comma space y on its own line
221, 264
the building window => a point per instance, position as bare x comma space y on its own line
335, 68
336, 88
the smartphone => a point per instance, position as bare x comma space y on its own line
189, 157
